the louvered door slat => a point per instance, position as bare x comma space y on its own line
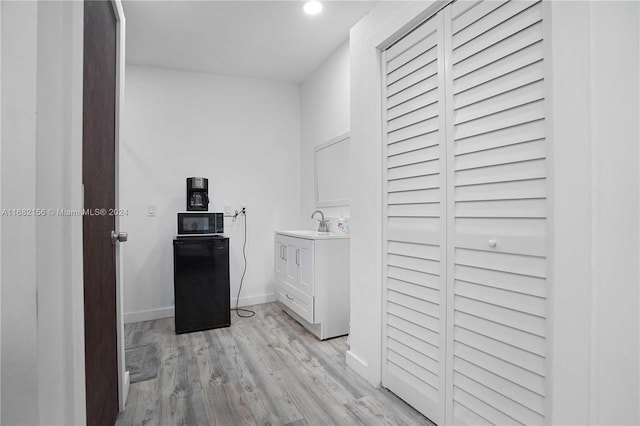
421, 168
409, 248
413, 156
525, 342
427, 87
520, 302
411, 323
515, 42
520, 16
530, 382
425, 72
465, 13
413, 117
498, 401
524, 132
421, 101
516, 401
508, 64
420, 40
421, 346
529, 208
418, 196
420, 358
501, 86
467, 398
422, 293
414, 265
468, 416
412, 144
500, 120
526, 360
510, 172
420, 61
515, 153
497, 215
523, 189
496, 18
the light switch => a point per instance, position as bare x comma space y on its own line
152, 210
227, 210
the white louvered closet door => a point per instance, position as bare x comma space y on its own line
482, 229
497, 213
414, 231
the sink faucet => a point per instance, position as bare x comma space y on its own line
323, 227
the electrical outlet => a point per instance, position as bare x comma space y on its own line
227, 210
152, 211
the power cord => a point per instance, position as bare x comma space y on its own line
249, 312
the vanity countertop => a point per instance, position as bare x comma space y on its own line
314, 235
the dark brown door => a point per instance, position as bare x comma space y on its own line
98, 177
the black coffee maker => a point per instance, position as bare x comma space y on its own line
197, 194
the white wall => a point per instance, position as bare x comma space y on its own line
595, 292
42, 314
324, 103
594, 136
19, 317
58, 159
615, 81
244, 136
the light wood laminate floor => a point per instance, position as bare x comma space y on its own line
265, 370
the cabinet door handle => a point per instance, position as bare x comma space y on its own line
284, 250
289, 297
297, 256
281, 252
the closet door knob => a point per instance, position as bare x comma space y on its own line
493, 243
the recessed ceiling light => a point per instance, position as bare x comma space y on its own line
312, 7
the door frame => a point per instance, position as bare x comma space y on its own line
123, 375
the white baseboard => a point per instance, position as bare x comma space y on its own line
358, 365
154, 314
127, 383
253, 300
151, 314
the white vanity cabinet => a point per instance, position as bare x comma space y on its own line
312, 280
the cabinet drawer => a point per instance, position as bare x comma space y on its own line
295, 300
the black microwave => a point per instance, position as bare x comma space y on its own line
200, 223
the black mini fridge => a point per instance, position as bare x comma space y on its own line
201, 283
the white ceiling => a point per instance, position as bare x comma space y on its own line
274, 40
